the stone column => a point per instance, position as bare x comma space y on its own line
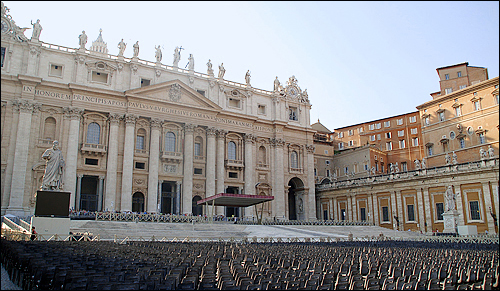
154, 157
399, 210
34, 59
335, 209
10, 158
394, 208
375, 210
221, 170
26, 109
330, 210
78, 192
371, 211
278, 178
488, 205
112, 164
249, 165
211, 154
74, 115
128, 163
428, 213
178, 186
349, 207
312, 185
187, 180
159, 198
100, 191
421, 218
458, 198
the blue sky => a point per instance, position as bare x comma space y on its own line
359, 61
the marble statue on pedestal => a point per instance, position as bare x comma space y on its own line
454, 156
191, 62
158, 55
447, 159
82, 40
417, 164
247, 77
210, 71
449, 196
52, 178
491, 152
276, 84
222, 71
423, 165
121, 46
136, 49
177, 56
37, 29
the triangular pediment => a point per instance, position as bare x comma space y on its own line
176, 92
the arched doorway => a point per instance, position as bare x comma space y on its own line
138, 202
197, 209
295, 199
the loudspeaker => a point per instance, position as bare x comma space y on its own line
52, 204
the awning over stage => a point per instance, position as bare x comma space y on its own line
235, 200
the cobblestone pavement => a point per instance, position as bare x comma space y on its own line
7, 284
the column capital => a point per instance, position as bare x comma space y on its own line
27, 106
102, 177
211, 131
310, 149
156, 123
221, 133
79, 176
114, 118
277, 142
73, 113
249, 138
189, 128
160, 181
130, 119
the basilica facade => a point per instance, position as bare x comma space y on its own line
144, 136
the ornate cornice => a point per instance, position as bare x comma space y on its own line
115, 118
156, 123
249, 138
189, 128
73, 112
277, 142
27, 106
310, 149
211, 131
221, 133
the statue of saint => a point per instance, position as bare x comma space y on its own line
447, 159
276, 84
247, 77
37, 29
191, 62
210, 71
121, 46
424, 166
391, 165
222, 71
417, 164
82, 40
454, 157
158, 54
482, 154
52, 178
449, 195
396, 168
177, 56
491, 152
136, 49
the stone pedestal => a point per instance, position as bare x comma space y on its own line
450, 221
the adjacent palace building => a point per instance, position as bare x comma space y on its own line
144, 136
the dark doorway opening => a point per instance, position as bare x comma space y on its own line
138, 202
197, 209
88, 193
232, 211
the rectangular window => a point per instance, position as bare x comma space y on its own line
234, 103
400, 121
402, 144
458, 111
474, 210
414, 130
372, 137
346, 170
360, 130
351, 143
441, 116
439, 211
482, 138
462, 87
341, 146
404, 166
315, 172
462, 142
413, 119
366, 167
401, 133
139, 165
197, 149
198, 171
139, 143
261, 109
427, 120
93, 162
411, 212
477, 106
145, 82
448, 90
459, 74
293, 114
99, 77
387, 123
388, 146
340, 135
3, 55
55, 70
362, 213
429, 150
378, 125
202, 92
371, 126
379, 137
385, 213
446, 76
233, 175
497, 101
328, 173
388, 135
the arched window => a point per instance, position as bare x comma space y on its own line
294, 161
138, 202
49, 130
198, 146
231, 151
141, 136
93, 133
170, 142
262, 155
